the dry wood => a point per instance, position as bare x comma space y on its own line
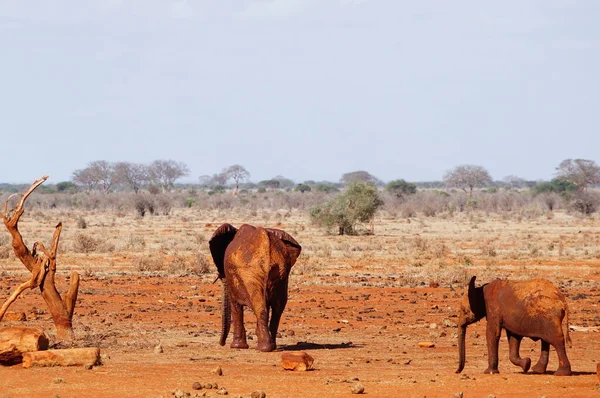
42, 265
15, 341
66, 357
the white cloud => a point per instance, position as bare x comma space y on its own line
277, 8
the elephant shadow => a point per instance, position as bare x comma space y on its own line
306, 345
575, 373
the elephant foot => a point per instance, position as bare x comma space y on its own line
239, 343
566, 371
266, 347
539, 369
490, 371
526, 364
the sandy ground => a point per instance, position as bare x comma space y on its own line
358, 305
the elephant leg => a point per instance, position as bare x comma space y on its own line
277, 308
542, 364
493, 338
239, 331
261, 311
564, 366
514, 344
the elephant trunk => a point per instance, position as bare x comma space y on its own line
461, 347
225, 313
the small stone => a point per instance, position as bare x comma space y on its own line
458, 394
258, 394
433, 326
222, 391
178, 393
357, 388
491, 396
197, 386
217, 371
15, 316
89, 367
449, 324
426, 344
58, 380
158, 349
299, 361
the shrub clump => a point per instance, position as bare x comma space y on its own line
357, 204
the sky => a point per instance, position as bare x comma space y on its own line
306, 89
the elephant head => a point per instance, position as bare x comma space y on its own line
472, 309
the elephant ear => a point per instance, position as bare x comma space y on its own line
476, 299
219, 241
293, 247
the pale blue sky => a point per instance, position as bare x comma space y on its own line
308, 89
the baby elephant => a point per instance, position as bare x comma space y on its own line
532, 308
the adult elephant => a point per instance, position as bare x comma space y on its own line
532, 308
254, 264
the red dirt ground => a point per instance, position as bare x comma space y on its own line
365, 333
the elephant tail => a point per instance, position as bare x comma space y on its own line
225, 313
566, 326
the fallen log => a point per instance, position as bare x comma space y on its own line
66, 357
14, 341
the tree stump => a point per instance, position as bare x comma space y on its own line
15, 341
66, 357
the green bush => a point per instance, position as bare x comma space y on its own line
556, 185
357, 204
302, 188
401, 188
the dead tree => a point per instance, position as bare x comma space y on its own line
42, 265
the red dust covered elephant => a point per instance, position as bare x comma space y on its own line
254, 264
533, 308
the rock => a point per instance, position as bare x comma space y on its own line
158, 349
357, 388
222, 391
217, 371
433, 326
178, 393
258, 394
197, 386
458, 394
426, 344
491, 396
449, 324
300, 361
15, 316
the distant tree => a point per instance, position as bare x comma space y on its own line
237, 173
555, 186
358, 203
467, 177
284, 182
302, 188
219, 179
401, 188
359, 176
133, 175
66, 186
86, 178
513, 181
164, 173
579, 172
273, 184
98, 173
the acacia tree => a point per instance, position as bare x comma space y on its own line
579, 172
401, 188
359, 176
164, 173
467, 177
134, 175
237, 173
97, 173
